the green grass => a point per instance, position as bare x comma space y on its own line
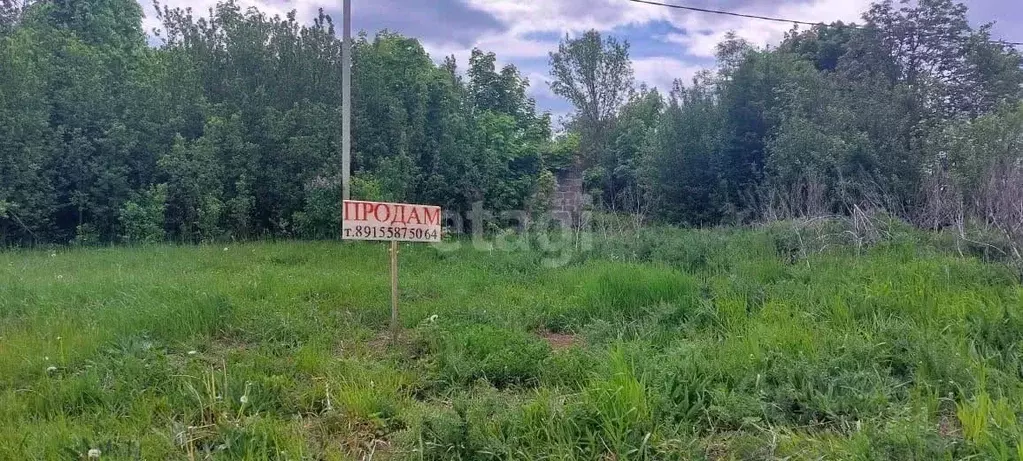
684, 345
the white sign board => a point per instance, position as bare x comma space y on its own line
390, 222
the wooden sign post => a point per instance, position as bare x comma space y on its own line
394, 290
394, 222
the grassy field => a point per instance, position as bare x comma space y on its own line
669, 344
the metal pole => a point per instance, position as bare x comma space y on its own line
346, 102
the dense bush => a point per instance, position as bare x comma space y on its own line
142, 219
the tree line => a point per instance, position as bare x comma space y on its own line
912, 111
228, 128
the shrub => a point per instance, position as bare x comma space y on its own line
320, 217
142, 217
86, 235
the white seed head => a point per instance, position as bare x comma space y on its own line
51, 369
94, 453
192, 352
244, 399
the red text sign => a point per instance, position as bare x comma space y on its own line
390, 221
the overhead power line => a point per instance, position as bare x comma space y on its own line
726, 13
767, 18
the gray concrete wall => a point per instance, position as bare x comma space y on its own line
569, 199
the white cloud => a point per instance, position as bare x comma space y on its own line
568, 15
524, 21
705, 31
507, 47
538, 86
557, 17
661, 72
305, 9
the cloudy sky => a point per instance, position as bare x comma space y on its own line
666, 43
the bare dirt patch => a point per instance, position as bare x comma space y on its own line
559, 341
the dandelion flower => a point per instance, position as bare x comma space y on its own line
94, 453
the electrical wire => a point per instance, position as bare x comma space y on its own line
771, 18
726, 13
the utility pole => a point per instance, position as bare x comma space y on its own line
346, 102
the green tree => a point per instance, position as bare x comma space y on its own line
10, 13
618, 167
142, 217
752, 97
595, 75
682, 161
26, 138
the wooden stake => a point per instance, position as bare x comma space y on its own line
394, 291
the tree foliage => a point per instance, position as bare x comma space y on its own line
876, 114
229, 128
594, 74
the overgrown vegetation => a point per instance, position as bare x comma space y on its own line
912, 111
792, 341
836, 329
229, 128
